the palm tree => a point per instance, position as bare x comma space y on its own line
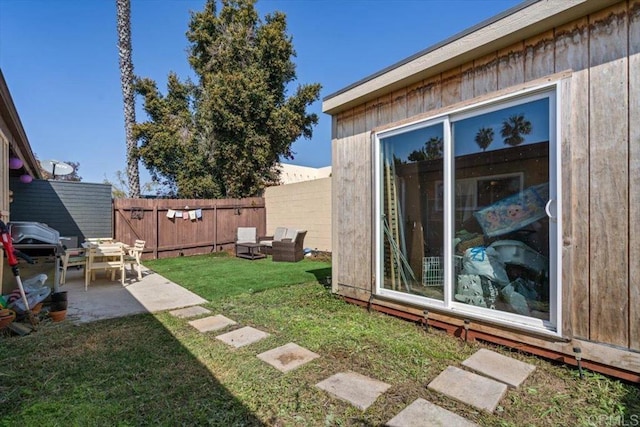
484, 138
513, 129
123, 8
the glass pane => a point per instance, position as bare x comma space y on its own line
412, 176
501, 188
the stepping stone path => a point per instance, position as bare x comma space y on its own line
193, 311
483, 389
243, 336
505, 369
211, 323
288, 357
467, 387
356, 389
422, 413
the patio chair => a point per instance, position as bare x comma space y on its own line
290, 249
267, 241
134, 255
104, 258
245, 235
73, 257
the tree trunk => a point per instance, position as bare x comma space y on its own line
126, 78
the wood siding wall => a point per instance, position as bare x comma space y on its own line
146, 219
75, 209
600, 173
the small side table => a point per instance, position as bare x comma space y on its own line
252, 251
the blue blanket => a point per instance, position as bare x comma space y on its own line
514, 212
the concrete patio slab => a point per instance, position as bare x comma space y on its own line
288, 357
467, 387
505, 369
243, 336
105, 299
359, 390
422, 413
212, 323
187, 312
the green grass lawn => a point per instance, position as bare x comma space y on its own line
219, 275
158, 370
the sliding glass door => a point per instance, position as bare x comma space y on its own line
467, 205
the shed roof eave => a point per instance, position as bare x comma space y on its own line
518, 23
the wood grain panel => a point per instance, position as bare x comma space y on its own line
359, 119
510, 67
342, 124
609, 171
451, 87
539, 56
634, 174
385, 110
363, 251
371, 115
572, 53
349, 212
399, 107
433, 93
485, 78
565, 177
338, 218
467, 75
415, 99
336, 197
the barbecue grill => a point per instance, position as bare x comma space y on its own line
41, 243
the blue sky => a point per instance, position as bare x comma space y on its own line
60, 60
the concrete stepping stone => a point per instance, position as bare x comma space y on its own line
505, 369
212, 323
186, 312
287, 357
422, 413
467, 387
359, 390
243, 336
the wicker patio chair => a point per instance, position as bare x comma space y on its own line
289, 250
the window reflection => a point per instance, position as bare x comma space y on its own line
413, 224
501, 229
500, 188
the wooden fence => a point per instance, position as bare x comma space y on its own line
174, 227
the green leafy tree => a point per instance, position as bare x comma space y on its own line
432, 150
513, 128
222, 135
123, 9
484, 138
120, 186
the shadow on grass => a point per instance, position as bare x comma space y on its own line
128, 371
323, 276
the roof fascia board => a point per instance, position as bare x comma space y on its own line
521, 22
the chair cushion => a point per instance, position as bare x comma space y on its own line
246, 235
266, 242
279, 233
290, 234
